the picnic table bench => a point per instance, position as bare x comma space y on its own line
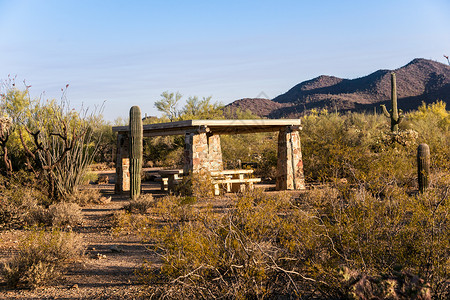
169, 178
229, 180
233, 180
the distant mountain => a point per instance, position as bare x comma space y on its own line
419, 81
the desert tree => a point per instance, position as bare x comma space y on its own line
168, 105
196, 108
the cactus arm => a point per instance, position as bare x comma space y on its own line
385, 112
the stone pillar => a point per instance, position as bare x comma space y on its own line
289, 165
196, 152
202, 152
215, 153
122, 164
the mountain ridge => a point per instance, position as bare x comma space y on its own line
420, 80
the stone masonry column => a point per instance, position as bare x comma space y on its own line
290, 164
122, 164
214, 153
196, 152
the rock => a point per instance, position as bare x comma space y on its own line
105, 200
115, 249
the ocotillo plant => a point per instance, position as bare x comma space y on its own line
396, 114
423, 167
135, 152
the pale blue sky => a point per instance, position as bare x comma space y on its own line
129, 52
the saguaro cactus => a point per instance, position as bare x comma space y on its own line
135, 152
423, 166
396, 114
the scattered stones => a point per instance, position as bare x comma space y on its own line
100, 256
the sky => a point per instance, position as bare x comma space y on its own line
125, 53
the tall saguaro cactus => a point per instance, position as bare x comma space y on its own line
396, 114
423, 166
135, 151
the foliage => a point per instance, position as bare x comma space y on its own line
84, 197
329, 243
41, 258
21, 201
53, 141
65, 214
168, 105
201, 109
140, 205
358, 148
168, 151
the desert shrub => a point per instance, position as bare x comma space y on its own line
130, 223
176, 208
332, 242
231, 256
267, 166
198, 185
166, 151
384, 237
41, 258
85, 196
21, 204
249, 147
140, 205
89, 177
65, 214
359, 148
432, 122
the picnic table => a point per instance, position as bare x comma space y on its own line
233, 180
169, 178
236, 180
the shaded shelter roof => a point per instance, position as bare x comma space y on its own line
213, 126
